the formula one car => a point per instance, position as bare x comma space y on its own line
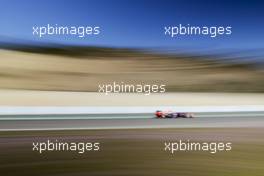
171, 114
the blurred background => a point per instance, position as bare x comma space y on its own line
131, 46
66, 70
78, 68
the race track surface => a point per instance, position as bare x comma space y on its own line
128, 121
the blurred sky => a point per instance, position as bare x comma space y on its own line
137, 23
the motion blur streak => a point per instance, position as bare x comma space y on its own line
246, 157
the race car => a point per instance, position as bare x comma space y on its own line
171, 114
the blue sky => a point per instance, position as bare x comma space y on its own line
137, 23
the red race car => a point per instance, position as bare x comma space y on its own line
171, 114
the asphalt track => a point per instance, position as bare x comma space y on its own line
128, 121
